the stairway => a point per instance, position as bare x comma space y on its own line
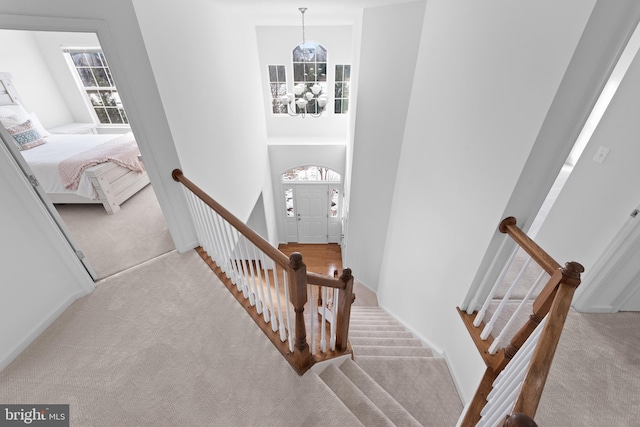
393, 380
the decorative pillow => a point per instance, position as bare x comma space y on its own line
26, 136
16, 112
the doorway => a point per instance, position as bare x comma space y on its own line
106, 244
312, 197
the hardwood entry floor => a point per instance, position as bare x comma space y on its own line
320, 258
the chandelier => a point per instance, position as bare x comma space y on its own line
308, 97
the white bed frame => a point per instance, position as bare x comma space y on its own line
113, 184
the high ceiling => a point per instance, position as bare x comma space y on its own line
320, 12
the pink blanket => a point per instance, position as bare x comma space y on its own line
122, 150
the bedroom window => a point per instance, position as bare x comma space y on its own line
97, 82
341, 96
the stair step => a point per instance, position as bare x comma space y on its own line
375, 322
373, 350
381, 334
404, 342
383, 400
355, 399
423, 386
363, 327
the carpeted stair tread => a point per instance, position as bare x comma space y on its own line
364, 327
355, 399
381, 334
423, 386
376, 350
405, 342
383, 400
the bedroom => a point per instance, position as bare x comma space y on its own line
62, 114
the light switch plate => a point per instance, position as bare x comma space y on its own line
601, 154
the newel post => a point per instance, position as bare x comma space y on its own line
345, 300
298, 297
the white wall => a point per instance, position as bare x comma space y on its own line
38, 89
389, 43
482, 89
198, 64
599, 197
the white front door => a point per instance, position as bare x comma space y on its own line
312, 213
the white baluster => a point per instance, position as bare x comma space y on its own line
267, 307
265, 269
312, 303
497, 343
487, 302
281, 323
323, 324
332, 342
489, 326
288, 310
253, 296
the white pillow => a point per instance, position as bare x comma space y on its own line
16, 113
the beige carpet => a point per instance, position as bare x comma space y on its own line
153, 346
595, 377
113, 243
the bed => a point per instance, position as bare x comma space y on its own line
86, 168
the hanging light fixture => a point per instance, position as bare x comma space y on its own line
308, 97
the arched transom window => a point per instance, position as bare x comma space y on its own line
311, 173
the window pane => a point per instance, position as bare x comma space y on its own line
337, 106
86, 76
321, 54
297, 54
114, 115
79, 59
94, 97
281, 74
333, 203
298, 72
339, 73
347, 73
103, 117
288, 200
101, 77
273, 73
93, 58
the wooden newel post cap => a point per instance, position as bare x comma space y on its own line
295, 260
519, 420
346, 275
572, 270
506, 223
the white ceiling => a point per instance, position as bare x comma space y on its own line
319, 12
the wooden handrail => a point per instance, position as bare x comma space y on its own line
322, 280
266, 247
540, 364
554, 301
297, 283
508, 226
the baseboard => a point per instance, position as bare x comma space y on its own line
9, 357
595, 309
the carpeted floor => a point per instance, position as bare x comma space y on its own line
165, 344
113, 243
